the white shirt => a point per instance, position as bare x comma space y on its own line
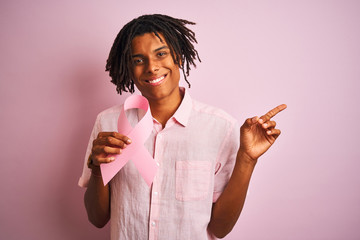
196, 153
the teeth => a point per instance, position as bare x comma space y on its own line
157, 80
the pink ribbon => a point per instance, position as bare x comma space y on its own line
135, 151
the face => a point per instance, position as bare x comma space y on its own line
155, 73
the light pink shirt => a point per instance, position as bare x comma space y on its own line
196, 154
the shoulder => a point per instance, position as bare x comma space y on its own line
110, 112
207, 120
208, 111
108, 118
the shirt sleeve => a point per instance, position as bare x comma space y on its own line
86, 173
226, 159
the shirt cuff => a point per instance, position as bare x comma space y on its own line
216, 195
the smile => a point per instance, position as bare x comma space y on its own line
156, 81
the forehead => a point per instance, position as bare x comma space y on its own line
147, 42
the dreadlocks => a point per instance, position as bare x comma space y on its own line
179, 38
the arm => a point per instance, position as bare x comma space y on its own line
256, 137
97, 196
97, 199
226, 210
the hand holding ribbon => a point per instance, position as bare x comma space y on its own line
135, 151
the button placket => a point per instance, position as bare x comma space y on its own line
155, 207
157, 148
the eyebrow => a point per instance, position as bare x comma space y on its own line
158, 49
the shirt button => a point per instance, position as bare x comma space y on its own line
153, 223
157, 163
155, 193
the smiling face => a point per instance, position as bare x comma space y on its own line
155, 73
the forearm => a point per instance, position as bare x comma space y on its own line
228, 207
97, 200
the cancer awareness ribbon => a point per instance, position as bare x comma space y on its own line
135, 151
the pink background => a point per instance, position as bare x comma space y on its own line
256, 54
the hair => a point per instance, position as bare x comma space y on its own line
178, 37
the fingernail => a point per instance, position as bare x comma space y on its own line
265, 125
129, 140
261, 121
111, 158
268, 132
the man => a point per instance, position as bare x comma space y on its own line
204, 171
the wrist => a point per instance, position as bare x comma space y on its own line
95, 170
244, 159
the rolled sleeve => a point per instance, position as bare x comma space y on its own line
86, 173
226, 159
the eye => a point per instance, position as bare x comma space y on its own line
162, 54
138, 61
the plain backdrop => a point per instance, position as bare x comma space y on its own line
255, 55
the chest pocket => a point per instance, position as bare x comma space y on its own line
192, 180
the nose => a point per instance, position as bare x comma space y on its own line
153, 66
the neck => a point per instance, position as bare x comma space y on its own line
163, 109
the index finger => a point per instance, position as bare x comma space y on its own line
115, 135
273, 112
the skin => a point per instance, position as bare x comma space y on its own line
152, 60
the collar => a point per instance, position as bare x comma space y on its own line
183, 112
